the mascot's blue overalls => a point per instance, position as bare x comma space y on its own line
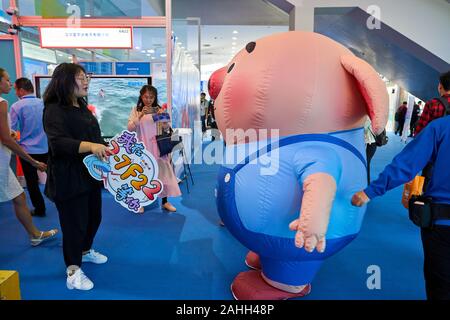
257, 209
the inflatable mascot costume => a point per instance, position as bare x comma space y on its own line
316, 94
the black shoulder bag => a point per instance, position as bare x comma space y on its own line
420, 212
167, 141
381, 139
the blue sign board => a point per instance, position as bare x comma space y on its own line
33, 67
133, 68
100, 68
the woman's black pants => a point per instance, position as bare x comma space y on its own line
80, 218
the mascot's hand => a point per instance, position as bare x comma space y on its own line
307, 239
319, 192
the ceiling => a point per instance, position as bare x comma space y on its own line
226, 27
252, 19
393, 55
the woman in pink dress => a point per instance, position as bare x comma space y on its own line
141, 121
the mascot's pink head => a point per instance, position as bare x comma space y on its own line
298, 82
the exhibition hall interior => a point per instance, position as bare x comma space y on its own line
224, 150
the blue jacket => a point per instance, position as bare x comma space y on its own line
431, 145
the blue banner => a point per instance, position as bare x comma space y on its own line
100, 68
133, 68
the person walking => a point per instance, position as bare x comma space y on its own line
26, 117
10, 188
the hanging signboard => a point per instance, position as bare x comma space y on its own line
84, 37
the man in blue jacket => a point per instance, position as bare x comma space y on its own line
432, 145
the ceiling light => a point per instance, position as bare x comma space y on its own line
151, 51
153, 58
87, 15
235, 32
148, 54
137, 48
234, 38
143, 51
163, 55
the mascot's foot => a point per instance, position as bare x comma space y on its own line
250, 285
252, 261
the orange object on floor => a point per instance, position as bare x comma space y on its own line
9, 285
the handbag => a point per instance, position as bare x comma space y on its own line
167, 141
420, 211
381, 139
419, 207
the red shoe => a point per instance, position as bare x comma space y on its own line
252, 261
250, 285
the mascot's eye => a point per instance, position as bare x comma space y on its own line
230, 68
250, 47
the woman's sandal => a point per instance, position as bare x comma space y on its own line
169, 207
37, 241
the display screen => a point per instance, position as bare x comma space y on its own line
112, 99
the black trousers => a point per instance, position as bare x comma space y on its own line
370, 152
32, 179
401, 125
436, 249
80, 218
202, 118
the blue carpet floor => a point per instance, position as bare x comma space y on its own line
187, 255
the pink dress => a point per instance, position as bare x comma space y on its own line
146, 132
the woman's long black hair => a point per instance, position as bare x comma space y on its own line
60, 90
144, 89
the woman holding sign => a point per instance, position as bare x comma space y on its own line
141, 121
73, 133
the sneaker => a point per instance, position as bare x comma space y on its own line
78, 280
94, 257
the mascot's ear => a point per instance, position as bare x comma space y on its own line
216, 81
372, 88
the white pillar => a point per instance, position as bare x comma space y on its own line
301, 17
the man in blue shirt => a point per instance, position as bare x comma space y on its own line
26, 117
431, 145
